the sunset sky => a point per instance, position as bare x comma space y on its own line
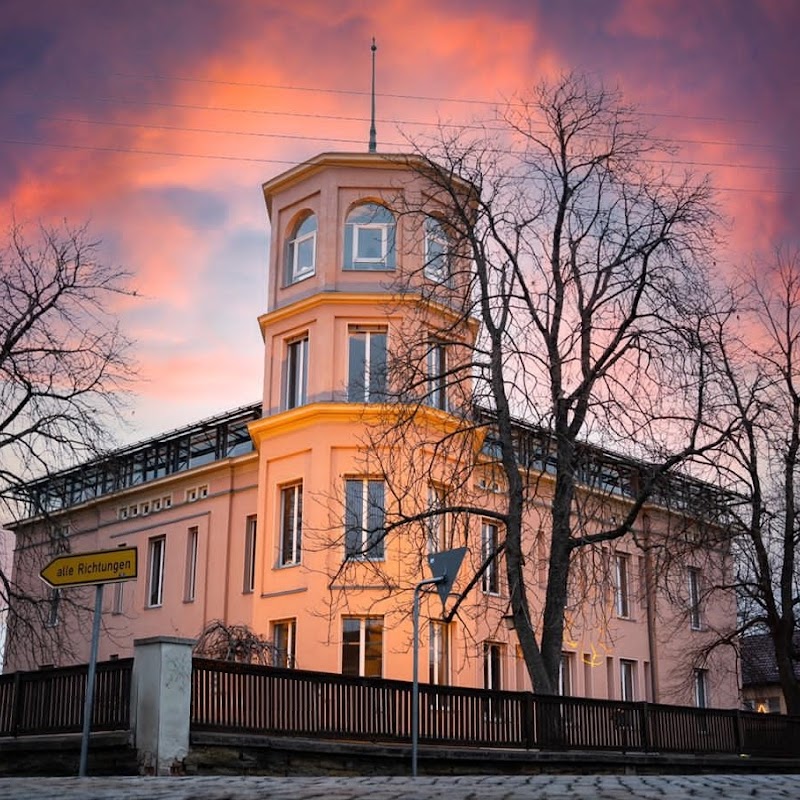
158, 120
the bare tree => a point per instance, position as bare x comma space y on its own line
557, 316
760, 358
64, 368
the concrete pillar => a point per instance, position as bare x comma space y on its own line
162, 688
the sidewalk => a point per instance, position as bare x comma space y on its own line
545, 787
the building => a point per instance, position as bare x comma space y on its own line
270, 516
761, 686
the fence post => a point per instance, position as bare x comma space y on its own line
528, 721
738, 732
16, 708
162, 691
645, 726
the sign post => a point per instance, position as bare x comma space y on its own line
444, 566
86, 569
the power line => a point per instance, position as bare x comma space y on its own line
246, 159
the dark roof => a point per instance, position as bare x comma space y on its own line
758, 660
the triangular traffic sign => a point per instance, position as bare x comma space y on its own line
445, 566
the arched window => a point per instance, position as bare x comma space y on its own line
437, 246
301, 250
369, 238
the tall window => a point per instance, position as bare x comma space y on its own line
627, 679
296, 385
436, 524
437, 267
701, 688
362, 646
250, 534
695, 618
363, 518
155, 574
492, 666
565, 668
53, 607
437, 375
491, 575
301, 250
291, 524
190, 582
369, 238
438, 653
366, 376
283, 643
622, 600
118, 600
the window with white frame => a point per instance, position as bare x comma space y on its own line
250, 541
156, 550
627, 679
362, 646
438, 653
622, 584
493, 666
301, 250
369, 238
291, 524
190, 580
283, 643
437, 374
296, 378
437, 247
364, 518
695, 617
566, 666
53, 607
490, 538
701, 688
118, 599
366, 367
436, 524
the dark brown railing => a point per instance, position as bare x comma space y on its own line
51, 700
245, 698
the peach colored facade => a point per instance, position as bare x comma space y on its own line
258, 538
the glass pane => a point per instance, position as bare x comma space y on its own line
373, 648
351, 641
375, 514
377, 367
305, 255
357, 362
352, 517
370, 242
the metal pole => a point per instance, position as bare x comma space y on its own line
415, 673
89, 701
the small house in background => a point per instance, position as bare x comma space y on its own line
761, 688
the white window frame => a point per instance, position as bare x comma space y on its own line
701, 688
493, 656
622, 585
693, 577
490, 541
437, 374
383, 228
565, 674
190, 583
627, 680
289, 628
118, 599
439, 653
359, 386
295, 273
156, 559
436, 525
363, 624
293, 536
364, 218
364, 551
295, 393
434, 233
250, 544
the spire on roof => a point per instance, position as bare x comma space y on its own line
372, 142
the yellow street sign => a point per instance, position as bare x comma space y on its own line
84, 569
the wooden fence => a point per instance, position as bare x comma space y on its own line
51, 700
244, 698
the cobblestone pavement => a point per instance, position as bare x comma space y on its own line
542, 787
